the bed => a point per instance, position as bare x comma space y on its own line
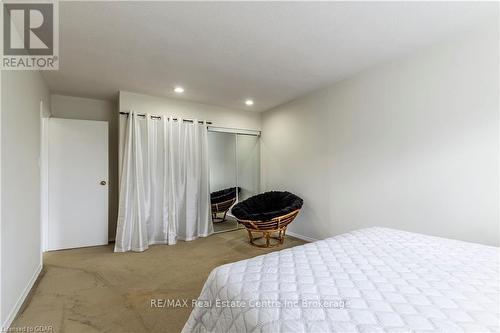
369, 280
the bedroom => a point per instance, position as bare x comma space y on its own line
150, 144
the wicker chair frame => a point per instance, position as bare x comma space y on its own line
268, 228
221, 207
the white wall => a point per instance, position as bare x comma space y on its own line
411, 145
21, 259
94, 109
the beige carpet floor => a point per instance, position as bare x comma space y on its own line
95, 290
227, 225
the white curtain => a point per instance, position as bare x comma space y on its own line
164, 187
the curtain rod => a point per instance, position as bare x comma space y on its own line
159, 117
233, 131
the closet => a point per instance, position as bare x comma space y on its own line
234, 162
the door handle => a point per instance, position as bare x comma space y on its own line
103, 182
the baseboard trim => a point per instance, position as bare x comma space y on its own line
307, 239
13, 313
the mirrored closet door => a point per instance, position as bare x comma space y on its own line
234, 160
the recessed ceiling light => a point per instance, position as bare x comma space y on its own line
249, 102
179, 90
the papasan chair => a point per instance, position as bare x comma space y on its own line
221, 201
268, 213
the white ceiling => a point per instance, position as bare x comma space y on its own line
223, 52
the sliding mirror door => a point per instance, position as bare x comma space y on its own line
234, 174
223, 179
248, 165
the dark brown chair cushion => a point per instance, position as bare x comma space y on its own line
266, 206
223, 195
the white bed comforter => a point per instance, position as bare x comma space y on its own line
370, 280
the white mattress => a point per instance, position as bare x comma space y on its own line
389, 280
